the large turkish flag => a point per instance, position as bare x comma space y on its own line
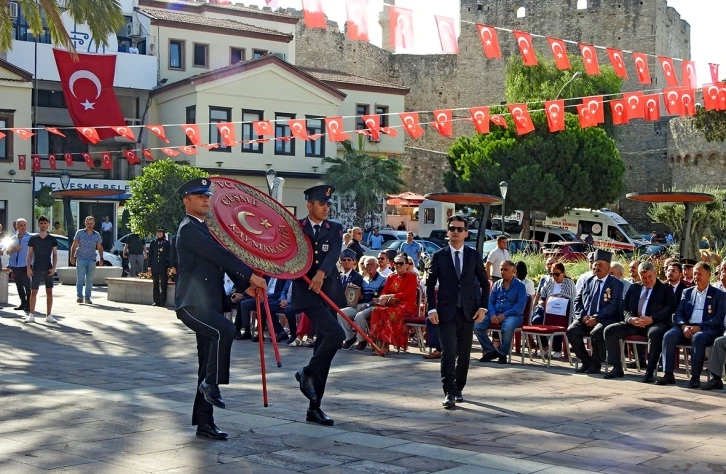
88, 90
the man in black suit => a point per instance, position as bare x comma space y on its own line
198, 297
327, 242
276, 292
455, 308
159, 263
648, 309
674, 278
349, 277
597, 306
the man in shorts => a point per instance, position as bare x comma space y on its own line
42, 261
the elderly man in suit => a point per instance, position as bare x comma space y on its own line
597, 306
648, 309
455, 307
699, 320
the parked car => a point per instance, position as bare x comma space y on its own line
396, 235
440, 237
550, 233
514, 246
64, 247
566, 251
429, 247
647, 251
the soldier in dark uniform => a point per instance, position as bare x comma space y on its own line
159, 263
327, 240
201, 265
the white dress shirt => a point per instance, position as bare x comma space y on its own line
385, 273
496, 257
699, 307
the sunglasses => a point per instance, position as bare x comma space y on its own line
400, 263
346, 259
456, 229
555, 274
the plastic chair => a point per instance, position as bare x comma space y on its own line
517, 332
552, 325
418, 322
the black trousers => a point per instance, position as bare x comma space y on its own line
455, 337
161, 281
244, 317
575, 334
215, 335
615, 332
22, 283
330, 337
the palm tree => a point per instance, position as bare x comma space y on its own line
104, 17
366, 177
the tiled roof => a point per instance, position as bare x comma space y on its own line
340, 77
239, 8
190, 19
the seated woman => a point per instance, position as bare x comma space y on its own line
398, 302
557, 284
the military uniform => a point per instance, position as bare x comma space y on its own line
327, 241
198, 297
159, 262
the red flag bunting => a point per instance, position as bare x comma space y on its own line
227, 132
559, 52
641, 66
334, 126
313, 14
357, 24
68, 157
688, 101
131, 156
672, 99
264, 128
159, 132
688, 73
373, 122
390, 131
619, 110
714, 71
188, 150
480, 119
489, 41
589, 58
401, 28
89, 134
597, 111
714, 96
55, 131
524, 41
618, 63
522, 120
23, 133
2, 135
499, 120
169, 152
652, 107
447, 35
106, 160
668, 71
125, 132
298, 128
636, 105
147, 154
52, 161
21, 162
88, 159
36, 162
555, 110
585, 116
411, 124
443, 122
191, 130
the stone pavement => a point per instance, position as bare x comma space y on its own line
110, 389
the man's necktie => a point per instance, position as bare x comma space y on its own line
595, 303
317, 229
641, 303
457, 264
345, 279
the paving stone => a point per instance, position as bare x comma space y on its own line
283, 462
373, 466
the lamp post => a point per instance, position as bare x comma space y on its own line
65, 180
503, 186
574, 76
270, 175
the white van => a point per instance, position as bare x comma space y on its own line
606, 228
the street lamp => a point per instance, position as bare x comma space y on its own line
270, 175
65, 179
503, 186
574, 76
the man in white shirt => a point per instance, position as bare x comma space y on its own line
384, 265
133, 49
496, 257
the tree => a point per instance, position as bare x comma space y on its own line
154, 200
712, 123
547, 172
104, 17
366, 177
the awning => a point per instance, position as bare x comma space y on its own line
405, 199
102, 194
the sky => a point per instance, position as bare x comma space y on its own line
705, 17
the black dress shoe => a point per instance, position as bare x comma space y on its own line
593, 369
307, 385
667, 379
348, 344
316, 415
246, 336
694, 383
18, 308
211, 431
448, 402
615, 374
502, 359
281, 336
647, 378
713, 384
211, 394
583, 368
489, 356
257, 338
459, 397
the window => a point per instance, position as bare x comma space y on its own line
521, 12
315, 148
236, 55
176, 54
282, 129
258, 53
201, 55
248, 131
216, 115
22, 32
191, 117
48, 98
429, 215
6, 144
382, 110
52, 143
360, 110
590, 228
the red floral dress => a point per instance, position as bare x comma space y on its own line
388, 324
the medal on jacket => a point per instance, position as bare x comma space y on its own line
709, 309
606, 297
325, 247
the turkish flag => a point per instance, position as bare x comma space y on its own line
524, 41
672, 99
36, 162
555, 110
21, 162
585, 116
636, 104
589, 58
334, 126
688, 74
358, 12
55, 131
616, 59
390, 131
2, 135
192, 132
499, 120
131, 156
264, 128
188, 150
373, 124
52, 161
125, 132
401, 28
147, 154
668, 71
226, 131
411, 124
443, 122
208, 146
87, 82
559, 52
69, 159
722, 95
447, 35
522, 120
597, 111
159, 132
23, 133
641, 67
298, 127
688, 101
89, 134
480, 119
88, 159
619, 109
106, 161
314, 15
652, 107
169, 152
713, 96
489, 41
714, 71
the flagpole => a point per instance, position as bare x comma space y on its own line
35, 125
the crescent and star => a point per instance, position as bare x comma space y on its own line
84, 74
242, 217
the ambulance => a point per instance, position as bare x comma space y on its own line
607, 229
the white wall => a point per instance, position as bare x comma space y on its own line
395, 104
